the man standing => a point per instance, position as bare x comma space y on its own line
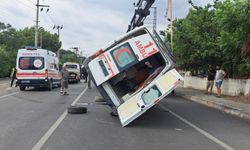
219, 77
64, 81
85, 63
84, 74
210, 79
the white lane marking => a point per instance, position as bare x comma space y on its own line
51, 130
8, 95
203, 132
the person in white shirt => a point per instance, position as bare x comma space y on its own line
219, 77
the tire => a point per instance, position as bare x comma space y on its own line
77, 110
22, 88
50, 85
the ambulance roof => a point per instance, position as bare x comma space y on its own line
31, 51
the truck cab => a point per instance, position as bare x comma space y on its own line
136, 71
74, 71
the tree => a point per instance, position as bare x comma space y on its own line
215, 34
195, 39
68, 56
233, 18
11, 40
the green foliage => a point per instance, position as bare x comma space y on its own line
11, 40
69, 56
214, 35
4, 61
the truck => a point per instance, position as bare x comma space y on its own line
135, 72
74, 71
37, 67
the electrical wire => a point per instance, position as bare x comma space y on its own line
31, 2
52, 20
25, 4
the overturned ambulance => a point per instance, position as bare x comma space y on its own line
134, 73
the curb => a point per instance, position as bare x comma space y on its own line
219, 106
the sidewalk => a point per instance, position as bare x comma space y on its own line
224, 104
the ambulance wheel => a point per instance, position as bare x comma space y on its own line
50, 85
22, 88
77, 110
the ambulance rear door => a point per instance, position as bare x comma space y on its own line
148, 96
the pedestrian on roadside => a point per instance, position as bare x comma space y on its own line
64, 80
210, 78
85, 74
85, 63
219, 77
13, 76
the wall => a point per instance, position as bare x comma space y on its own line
231, 87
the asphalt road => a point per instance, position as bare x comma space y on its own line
36, 119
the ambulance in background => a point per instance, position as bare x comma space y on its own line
135, 71
37, 68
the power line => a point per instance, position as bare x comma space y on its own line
8, 18
52, 20
25, 4
8, 14
31, 2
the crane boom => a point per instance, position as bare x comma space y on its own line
140, 13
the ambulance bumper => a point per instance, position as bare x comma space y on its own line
32, 82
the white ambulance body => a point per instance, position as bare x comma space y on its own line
37, 68
135, 71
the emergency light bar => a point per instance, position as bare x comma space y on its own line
30, 48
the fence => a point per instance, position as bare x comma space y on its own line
231, 87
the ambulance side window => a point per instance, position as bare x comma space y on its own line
104, 69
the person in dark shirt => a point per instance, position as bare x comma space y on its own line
210, 78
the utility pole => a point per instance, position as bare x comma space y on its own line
154, 18
37, 20
41, 40
58, 27
169, 8
171, 26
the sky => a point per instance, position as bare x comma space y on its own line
87, 24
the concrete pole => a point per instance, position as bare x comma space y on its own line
37, 20
171, 26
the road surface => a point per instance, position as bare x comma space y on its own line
36, 119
